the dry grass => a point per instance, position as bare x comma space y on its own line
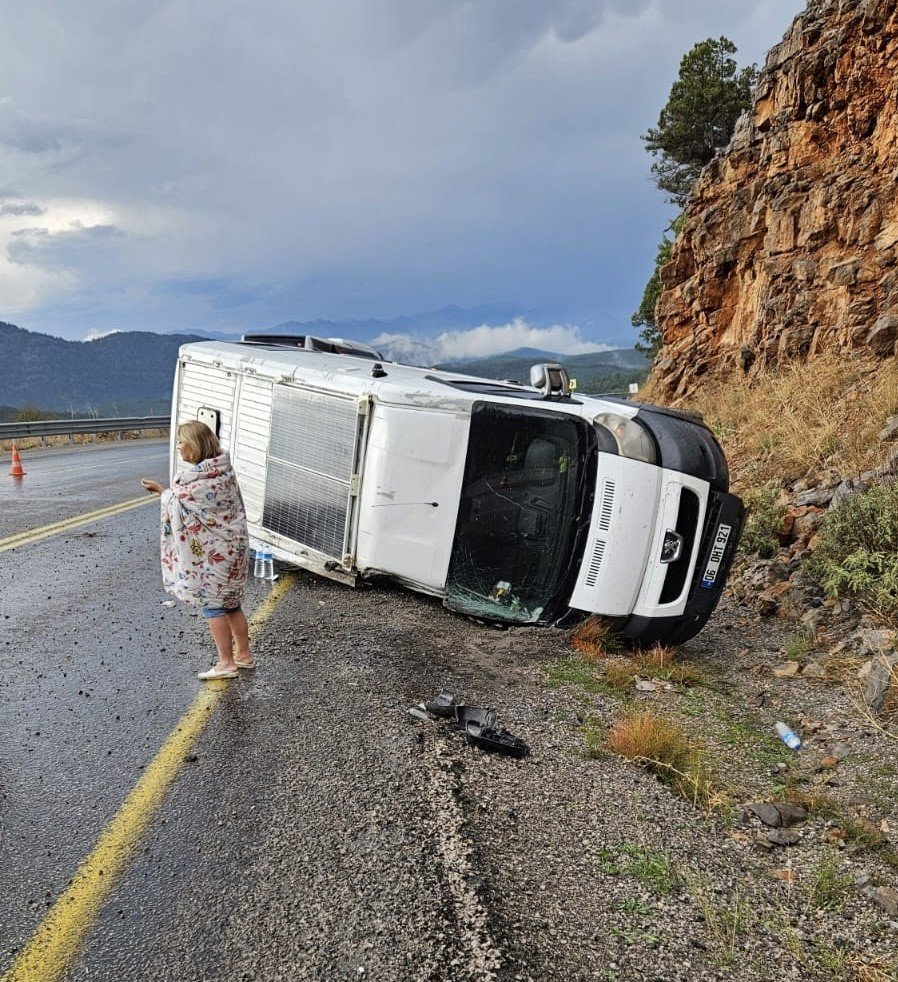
842, 667
889, 708
660, 662
33, 442
726, 918
818, 803
662, 747
855, 829
779, 425
658, 658
620, 674
645, 736
594, 639
883, 722
875, 971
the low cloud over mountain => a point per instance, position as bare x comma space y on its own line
484, 341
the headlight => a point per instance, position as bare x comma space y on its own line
631, 439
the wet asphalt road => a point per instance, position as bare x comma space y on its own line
62, 482
80, 624
298, 840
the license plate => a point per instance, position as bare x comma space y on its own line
709, 577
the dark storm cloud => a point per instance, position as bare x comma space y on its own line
240, 163
60, 250
41, 134
220, 292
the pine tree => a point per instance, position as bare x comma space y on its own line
705, 101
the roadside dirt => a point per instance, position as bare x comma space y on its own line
587, 867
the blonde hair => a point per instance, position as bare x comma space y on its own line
199, 440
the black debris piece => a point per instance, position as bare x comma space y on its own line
443, 705
473, 714
495, 739
481, 726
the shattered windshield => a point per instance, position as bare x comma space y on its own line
521, 495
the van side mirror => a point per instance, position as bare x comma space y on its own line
551, 379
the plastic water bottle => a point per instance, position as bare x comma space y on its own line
789, 738
268, 572
258, 567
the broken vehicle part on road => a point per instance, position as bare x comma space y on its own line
480, 726
517, 504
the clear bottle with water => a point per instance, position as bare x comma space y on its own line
789, 738
268, 572
258, 567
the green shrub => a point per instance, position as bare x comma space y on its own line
857, 555
765, 517
797, 645
31, 414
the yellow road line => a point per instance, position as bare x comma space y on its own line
55, 942
67, 524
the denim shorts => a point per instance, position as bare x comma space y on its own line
219, 611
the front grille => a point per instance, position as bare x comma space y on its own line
687, 525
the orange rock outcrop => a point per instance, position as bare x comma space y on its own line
790, 240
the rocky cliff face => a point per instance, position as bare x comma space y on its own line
790, 241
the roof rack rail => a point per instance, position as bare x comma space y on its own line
333, 346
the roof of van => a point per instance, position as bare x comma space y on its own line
358, 374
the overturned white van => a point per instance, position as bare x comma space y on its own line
514, 503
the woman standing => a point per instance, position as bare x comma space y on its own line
205, 544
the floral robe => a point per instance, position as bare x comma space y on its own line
205, 547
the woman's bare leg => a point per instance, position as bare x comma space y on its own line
221, 634
239, 630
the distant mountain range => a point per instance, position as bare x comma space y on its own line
597, 373
130, 373
424, 324
618, 357
122, 374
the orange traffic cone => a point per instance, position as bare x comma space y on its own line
16, 470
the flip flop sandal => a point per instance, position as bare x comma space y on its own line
217, 673
443, 705
495, 740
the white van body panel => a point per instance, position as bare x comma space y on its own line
414, 465
620, 535
249, 447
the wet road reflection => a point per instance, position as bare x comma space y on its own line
92, 678
61, 482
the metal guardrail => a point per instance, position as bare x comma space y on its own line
71, 427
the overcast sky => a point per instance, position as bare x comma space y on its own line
180, 165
